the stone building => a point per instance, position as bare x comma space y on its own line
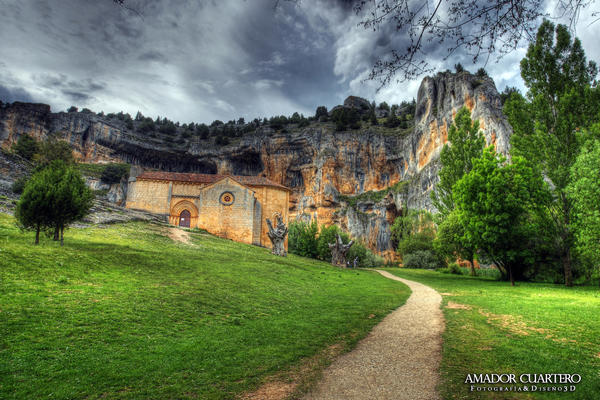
232, 207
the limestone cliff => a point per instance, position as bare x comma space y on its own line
360, 179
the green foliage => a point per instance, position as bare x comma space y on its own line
113, 173
419, 241
465, 144
372, 116
53, 149
19, 185
392, 121
507, 92
413, 222
560, 103
584, 192
452, 268
146, 126
321, 114
72, 109
481, 73
421, 259
494, 202
302, 238
345, 118
384, 106
327, 235
168, 128
451, 241
222, 140
53, 197
203, 131
459, 68
26, 147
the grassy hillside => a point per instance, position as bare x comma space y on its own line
126, 312
492, 327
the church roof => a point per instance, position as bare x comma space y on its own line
208, 178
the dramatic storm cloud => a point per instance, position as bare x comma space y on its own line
206, 60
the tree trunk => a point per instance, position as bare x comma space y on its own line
339, 251
277, 236
37, 235
56, 233
62, 235
567, 267
473, 273
512, 279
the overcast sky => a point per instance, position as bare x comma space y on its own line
206, 59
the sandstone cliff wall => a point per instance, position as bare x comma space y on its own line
330, 173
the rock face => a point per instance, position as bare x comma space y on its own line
337, 177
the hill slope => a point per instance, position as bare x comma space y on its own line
125, 312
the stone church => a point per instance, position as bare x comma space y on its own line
232, 207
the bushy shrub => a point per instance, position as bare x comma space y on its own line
420, 241
326, 236
302, 239
113, 173
454, 268
19, 185
26, 147
421, 259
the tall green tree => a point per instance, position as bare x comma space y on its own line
71, 200
465, 143
560, 101
54, 197
584, 193
494, 203
34, 209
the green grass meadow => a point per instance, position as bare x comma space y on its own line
125, 312
492, 327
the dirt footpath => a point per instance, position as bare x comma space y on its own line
399, 359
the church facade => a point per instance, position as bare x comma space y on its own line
232, 207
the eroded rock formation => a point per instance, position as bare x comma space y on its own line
360, 179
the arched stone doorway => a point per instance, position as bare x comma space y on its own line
184, 214
185, 219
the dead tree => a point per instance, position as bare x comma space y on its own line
339, 251
277, 236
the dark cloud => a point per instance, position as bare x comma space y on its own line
201, 60
8, 95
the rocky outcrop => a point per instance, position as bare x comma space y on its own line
329, 172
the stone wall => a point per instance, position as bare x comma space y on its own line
234, 221
273, 201
151, 196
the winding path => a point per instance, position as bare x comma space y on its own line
399, 359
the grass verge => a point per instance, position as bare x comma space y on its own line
532, 328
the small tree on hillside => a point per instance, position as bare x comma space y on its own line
33, 210
72, 198
54, 197
321, 113
53, 149
26, 147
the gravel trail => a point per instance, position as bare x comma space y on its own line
399, 359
